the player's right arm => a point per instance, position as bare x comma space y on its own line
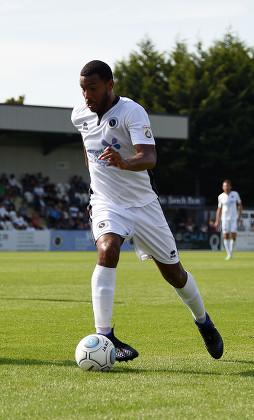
145, 158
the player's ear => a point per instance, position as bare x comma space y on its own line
110, 84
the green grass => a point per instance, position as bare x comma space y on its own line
46, 310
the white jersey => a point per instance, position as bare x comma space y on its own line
121, 127
229, 202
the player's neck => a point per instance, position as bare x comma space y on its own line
113, 102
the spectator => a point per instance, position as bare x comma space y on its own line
23, 209
73, 211
190, 225
35, 221
63, 222
40, 205
19, 222
241, 226
30, 226
4, 215
211, 225
54, 216
39, 190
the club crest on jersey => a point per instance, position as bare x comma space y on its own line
113, 122
114, 143
101, 225
147, 131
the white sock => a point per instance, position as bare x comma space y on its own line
226, 245
231, 246
103, 290
191, 297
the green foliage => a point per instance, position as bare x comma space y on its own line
216, 89
19, 101
144, 77
46, 309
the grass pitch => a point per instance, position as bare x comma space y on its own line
46, 309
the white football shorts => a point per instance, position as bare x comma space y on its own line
229, 226
146, 226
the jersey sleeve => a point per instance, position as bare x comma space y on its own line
219, 202
238, 199
138, 125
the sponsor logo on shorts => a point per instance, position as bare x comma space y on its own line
85, 126
172, 254
102, 225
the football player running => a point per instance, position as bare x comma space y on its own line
120, 153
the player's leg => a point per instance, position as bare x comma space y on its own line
232, 240
185, 286
109, 229
153, 239
226, 237
104, 279
103, 290
232, 243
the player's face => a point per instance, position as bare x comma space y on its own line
97, 93
226, 187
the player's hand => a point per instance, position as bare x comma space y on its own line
216, 225
114, 158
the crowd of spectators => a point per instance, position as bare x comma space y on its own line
43, 204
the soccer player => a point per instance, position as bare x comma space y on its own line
120, 153
229, 211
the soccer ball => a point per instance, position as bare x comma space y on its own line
95, 352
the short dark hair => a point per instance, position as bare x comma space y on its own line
97, 67
227, 181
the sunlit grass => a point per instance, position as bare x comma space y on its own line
46, 310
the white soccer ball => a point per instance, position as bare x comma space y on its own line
95, 352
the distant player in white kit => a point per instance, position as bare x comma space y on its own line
229, 211
120, 152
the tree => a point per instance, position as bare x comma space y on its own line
216, 89
19, 101
144, 77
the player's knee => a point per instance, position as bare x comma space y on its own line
108, 252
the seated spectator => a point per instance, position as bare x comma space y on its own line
35, 221
4, 215
73, 211
63, 223
210, 225
241, 226
2, 190
40, 205
30, 226
38, 190
190, 225
54, 216
19, 222
23, 209
15, 186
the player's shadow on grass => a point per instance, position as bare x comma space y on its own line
118, 369
55, 300
51, 300
34, 362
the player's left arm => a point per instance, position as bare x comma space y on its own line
145, 158
240, 209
